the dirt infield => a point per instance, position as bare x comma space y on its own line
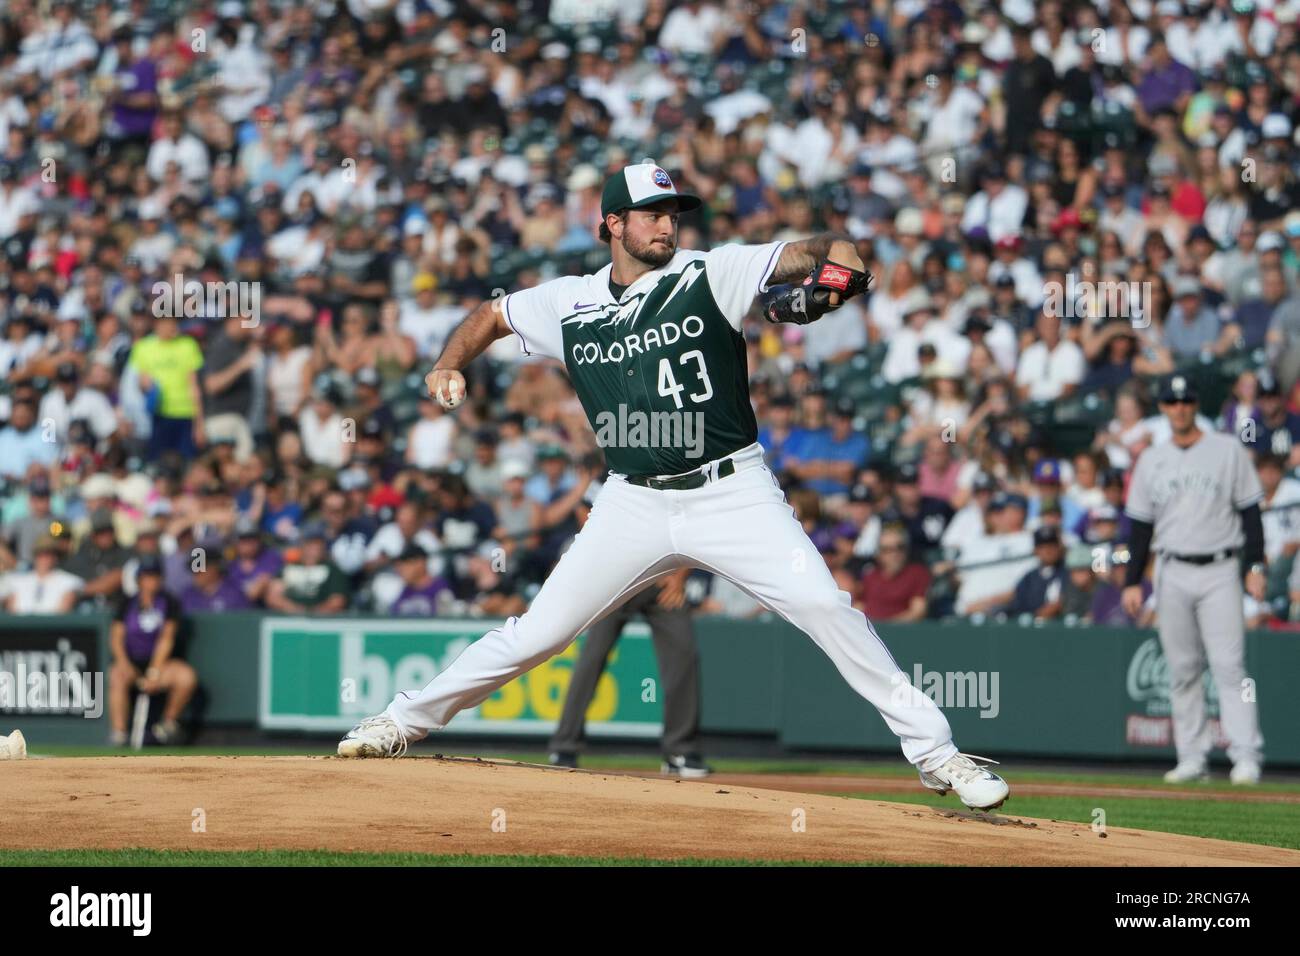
451, 806
856, 783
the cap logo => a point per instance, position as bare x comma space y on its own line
661, 179
1179, 383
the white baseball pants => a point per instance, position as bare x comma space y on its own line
1200, 618
739, 527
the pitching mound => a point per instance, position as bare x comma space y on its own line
479, 807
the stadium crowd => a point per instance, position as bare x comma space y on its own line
363, 173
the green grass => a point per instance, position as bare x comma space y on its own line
1269, 824
81, 858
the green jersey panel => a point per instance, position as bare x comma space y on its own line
662, 376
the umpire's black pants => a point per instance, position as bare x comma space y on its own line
673, 633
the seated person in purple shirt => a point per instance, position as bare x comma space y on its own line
1108, 611
254, 566
420, 590
211, 589
142, 639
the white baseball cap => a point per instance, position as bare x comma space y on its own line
1275, 126
642, 185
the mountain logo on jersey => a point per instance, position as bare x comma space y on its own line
626, 314
613, 313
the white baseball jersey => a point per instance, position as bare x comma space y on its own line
1194, 495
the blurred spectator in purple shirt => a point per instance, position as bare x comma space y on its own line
254, 566
421, 590
211, 590
1167, 84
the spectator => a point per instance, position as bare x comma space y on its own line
1028, 82
168, 364
923, 518
231, 360
288, 373
1052, 367
211, 589
99, 560
1280, 509
309, 583
254, 566
827, 459
23, 532
1107, 609
894, 590
1038, 592
1277, 432
143, 641
325, 441
1080, 584
23, 443
422, 593
1254, 316
556, 476
46, 589
986, 564
429, 446
68, 401
1193, 330
175, 145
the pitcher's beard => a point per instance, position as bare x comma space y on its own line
652, 254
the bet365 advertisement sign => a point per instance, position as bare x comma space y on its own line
326, 674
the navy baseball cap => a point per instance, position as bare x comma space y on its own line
1046, 535
642, 185
1047, 471
861, 494
411, 552
1177, 388
906, 474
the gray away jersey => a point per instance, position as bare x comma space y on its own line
661, 373
1193, 495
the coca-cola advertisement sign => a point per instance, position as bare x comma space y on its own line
1147, 681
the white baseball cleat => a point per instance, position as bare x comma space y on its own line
977, 787
1188, 771
1245, 773
13, 747
377, 736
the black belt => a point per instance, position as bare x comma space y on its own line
1204, 558
692, 479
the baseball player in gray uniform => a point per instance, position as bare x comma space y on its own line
1199, 494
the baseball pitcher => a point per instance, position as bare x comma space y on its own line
657, 333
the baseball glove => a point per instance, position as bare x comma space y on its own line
810, 300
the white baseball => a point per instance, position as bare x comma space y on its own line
453, 396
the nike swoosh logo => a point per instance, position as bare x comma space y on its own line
582, 305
